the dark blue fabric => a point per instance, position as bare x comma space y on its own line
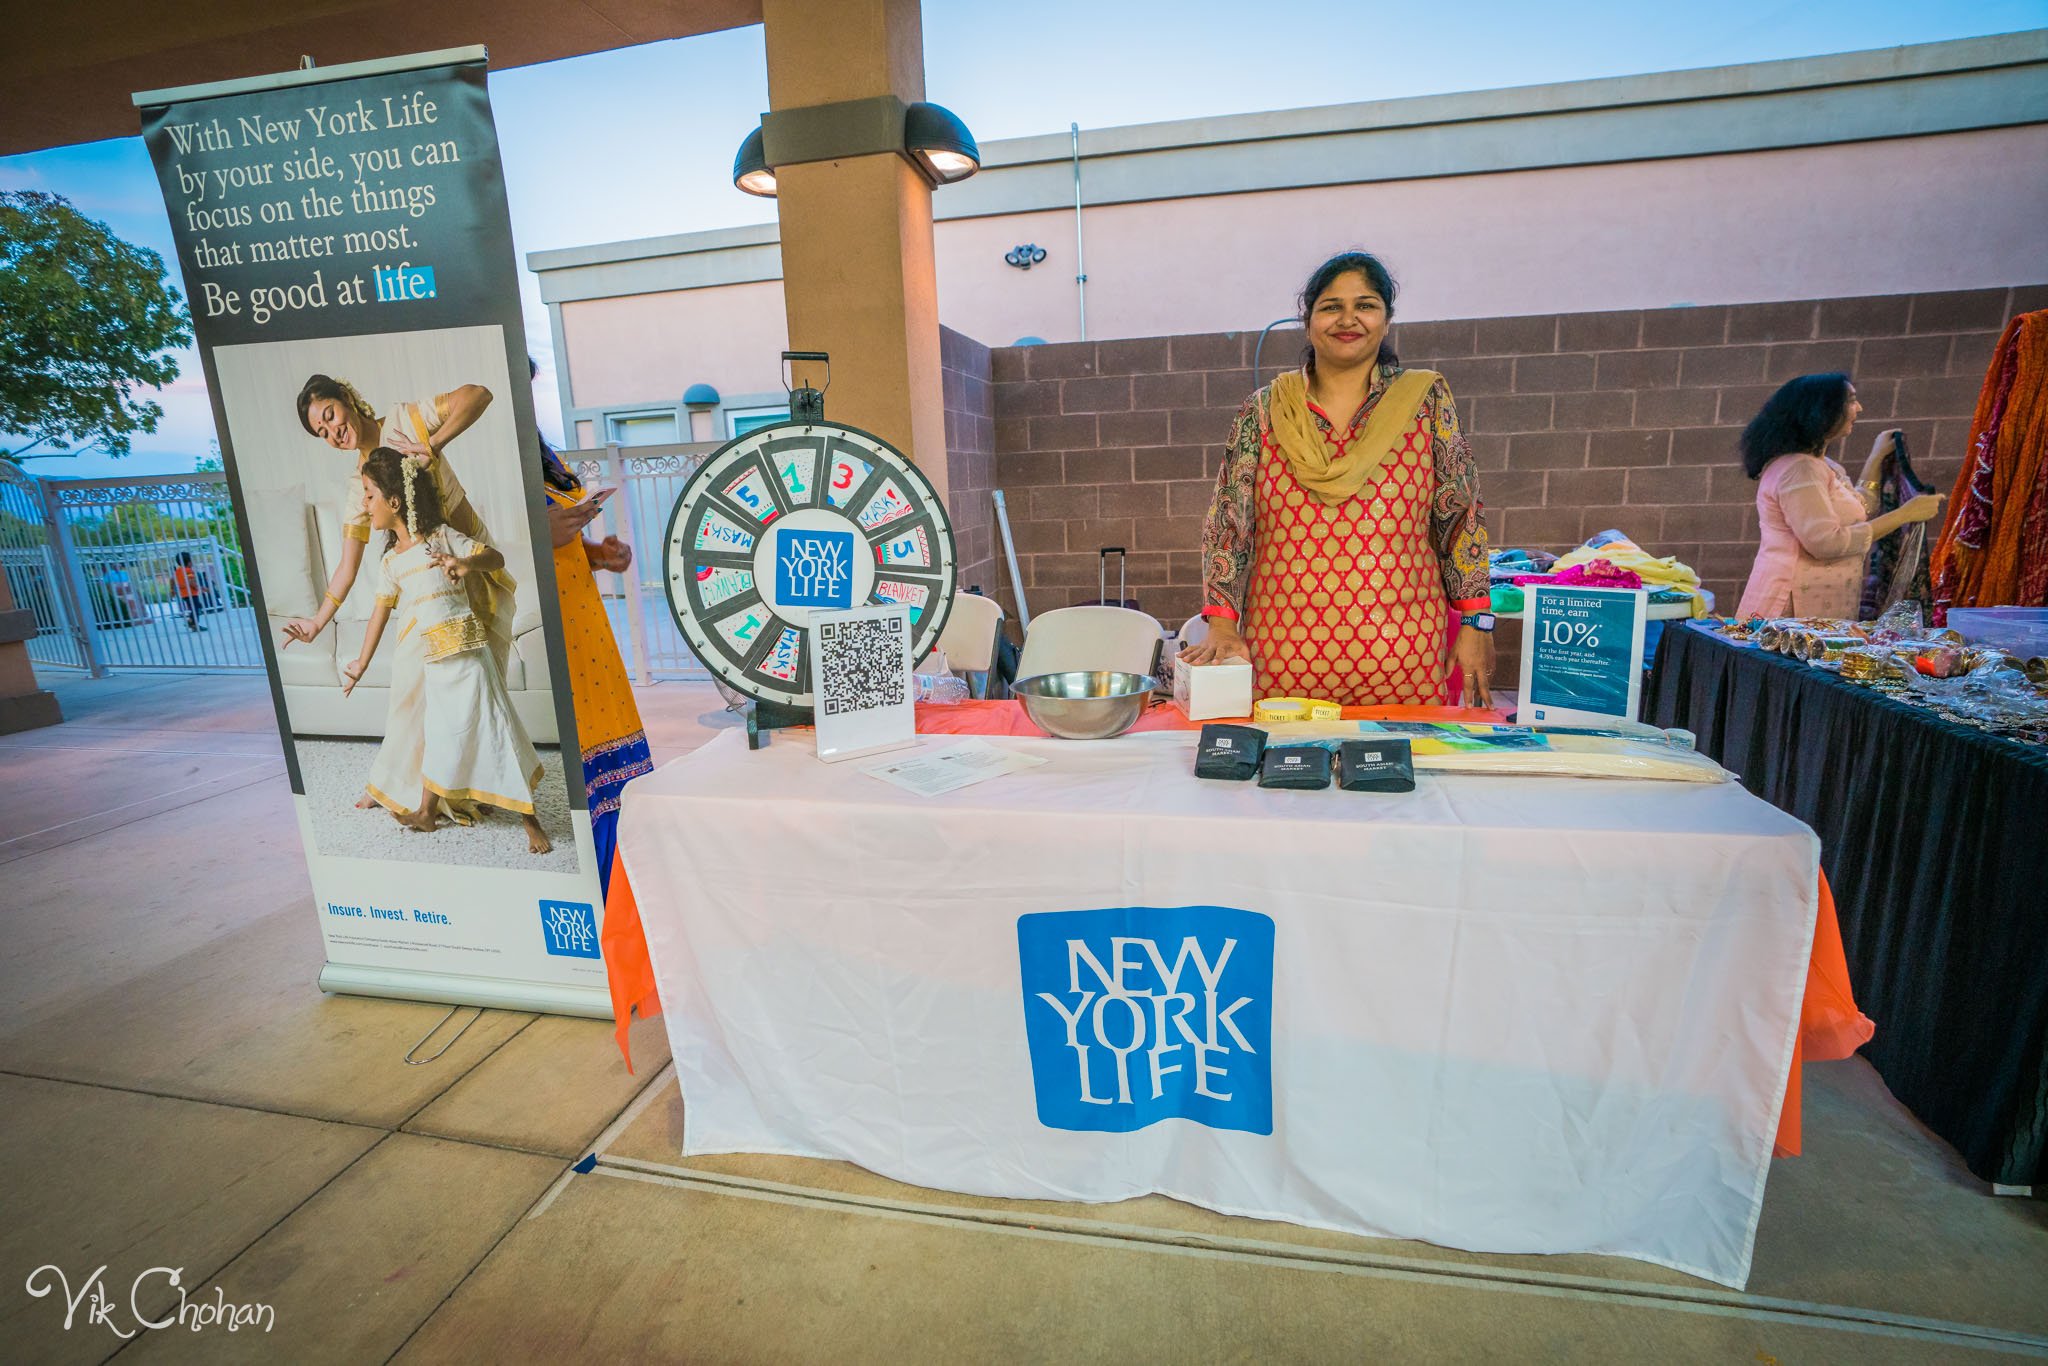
1930, 837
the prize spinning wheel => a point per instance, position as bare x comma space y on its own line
790, 520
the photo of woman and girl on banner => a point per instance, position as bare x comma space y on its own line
387, 510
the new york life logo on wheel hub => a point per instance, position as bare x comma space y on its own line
1136, 1014
813, 568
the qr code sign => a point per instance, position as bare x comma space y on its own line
861, 664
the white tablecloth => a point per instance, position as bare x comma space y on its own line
1509, 1015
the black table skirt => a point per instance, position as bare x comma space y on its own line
1934, 837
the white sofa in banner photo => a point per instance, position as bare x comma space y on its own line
301, 542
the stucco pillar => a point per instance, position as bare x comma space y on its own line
858, 274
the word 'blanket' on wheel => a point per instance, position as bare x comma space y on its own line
792, 520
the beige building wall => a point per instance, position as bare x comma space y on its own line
1916, 170
1903, 216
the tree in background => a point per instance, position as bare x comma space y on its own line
85, 320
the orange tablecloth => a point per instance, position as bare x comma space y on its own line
1830, 1026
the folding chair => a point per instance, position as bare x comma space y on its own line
969, 640
1090, 639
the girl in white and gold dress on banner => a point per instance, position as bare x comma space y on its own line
452, 738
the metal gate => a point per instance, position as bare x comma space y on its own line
158, 563
36, 573
142, 573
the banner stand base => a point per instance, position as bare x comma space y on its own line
491, 993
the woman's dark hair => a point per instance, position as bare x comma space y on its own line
386, 469
317, 388
1375, 272
554, 470
1797, 420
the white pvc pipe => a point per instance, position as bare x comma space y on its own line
1010, 550
1080, 259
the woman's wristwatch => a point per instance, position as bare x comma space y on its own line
1478, 621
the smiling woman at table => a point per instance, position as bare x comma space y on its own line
1346, 525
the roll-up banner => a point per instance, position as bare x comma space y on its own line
347, 254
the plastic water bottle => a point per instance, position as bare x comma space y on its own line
944, 689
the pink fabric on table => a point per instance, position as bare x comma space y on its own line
1592, 574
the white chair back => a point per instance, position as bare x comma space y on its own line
969, 640
1071, 639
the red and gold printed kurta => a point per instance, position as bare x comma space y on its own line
1352, 603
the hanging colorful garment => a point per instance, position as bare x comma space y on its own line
1993, 550
1896, 569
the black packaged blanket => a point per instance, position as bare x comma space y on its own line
1306, 767
1230, 753
1382, 764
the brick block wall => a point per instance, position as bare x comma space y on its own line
1580, 422
970, 457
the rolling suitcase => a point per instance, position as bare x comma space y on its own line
1122, 582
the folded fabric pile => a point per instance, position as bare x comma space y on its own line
1599, 573
1506, 564
1659, 572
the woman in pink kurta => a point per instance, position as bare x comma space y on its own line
1814, 526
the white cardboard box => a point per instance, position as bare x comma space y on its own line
1205, 692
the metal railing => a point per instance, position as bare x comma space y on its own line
649, 480
143, 573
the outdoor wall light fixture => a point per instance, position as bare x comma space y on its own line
700, 396
750, 169
938, 141
1025, 256
931, 137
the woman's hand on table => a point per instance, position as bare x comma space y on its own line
1222, 644
567, 520
1473, 653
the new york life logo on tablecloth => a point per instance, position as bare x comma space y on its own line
570, 928
814, 568
1136, 1014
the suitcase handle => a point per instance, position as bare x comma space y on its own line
1122, 575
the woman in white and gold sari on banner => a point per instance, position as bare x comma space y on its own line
332, 410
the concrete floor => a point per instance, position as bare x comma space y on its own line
175, 1093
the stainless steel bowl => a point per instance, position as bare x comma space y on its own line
1085, 706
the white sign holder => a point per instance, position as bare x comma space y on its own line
1582, 655
864, 697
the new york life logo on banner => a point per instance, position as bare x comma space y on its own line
1136, 1014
